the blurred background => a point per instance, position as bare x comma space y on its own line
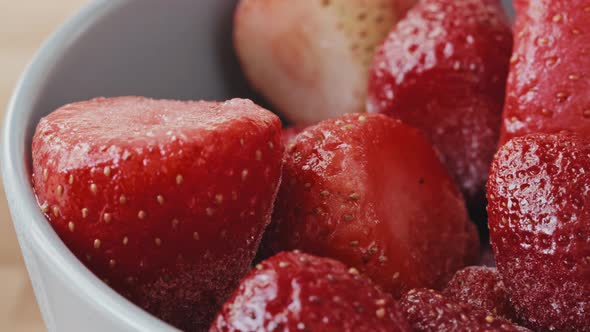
24, 24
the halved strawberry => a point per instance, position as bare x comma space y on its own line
443, 70
550, 69
165, 200
371, 192
311, 58
483, 288
539, 211
297, 292
429, 311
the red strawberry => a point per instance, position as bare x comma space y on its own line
311, 58
550, 69
166, 200
540, 228
370, 191
483, 288
297, 292
427, 310
443, 70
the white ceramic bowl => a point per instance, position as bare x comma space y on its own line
159, 48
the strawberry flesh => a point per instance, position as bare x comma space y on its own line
318, 69
293, 291
164, 200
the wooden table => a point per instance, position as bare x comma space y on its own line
24, 25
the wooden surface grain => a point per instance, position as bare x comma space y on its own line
24, 25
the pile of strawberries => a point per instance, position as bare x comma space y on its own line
360, 221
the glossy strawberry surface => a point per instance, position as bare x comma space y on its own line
443, 70
371, 192
550, 69
164, 200
540, 228
293, 291
428, 310
483, 288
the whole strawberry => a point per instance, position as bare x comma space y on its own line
540, 228
483, 288
311, 58
550, 69
371, 192
430, 311
164, 200
297, 292
443, 70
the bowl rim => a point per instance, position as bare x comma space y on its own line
30, 224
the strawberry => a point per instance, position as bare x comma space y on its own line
370, 191
164, 200
298, 292
443, 70
540, 228
483, 288
428, 310
311, 58
550, 69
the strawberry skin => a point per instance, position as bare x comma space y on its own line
164, 200
293, 291
370, 191
550, 69
540, 228
481, 287
311, 59
429, 311
443, 70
